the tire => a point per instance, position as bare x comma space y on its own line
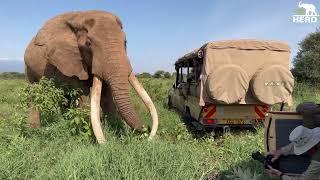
170, 106
227, 84
272, 84
188, 117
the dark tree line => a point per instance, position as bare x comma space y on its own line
157, 74
11, 75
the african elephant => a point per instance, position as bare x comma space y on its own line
88, 49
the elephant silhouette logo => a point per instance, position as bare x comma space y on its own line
309, 9
306, 13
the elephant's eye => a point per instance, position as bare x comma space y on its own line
125, 44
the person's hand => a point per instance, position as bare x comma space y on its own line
275, 153
273, 172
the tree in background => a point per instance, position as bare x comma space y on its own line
162, 74
158, 74
167, 75
307, 61
144, 75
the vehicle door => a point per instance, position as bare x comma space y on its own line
193, 92
179, 92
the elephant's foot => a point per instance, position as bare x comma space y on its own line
34, 118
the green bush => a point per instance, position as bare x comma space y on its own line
56, 101
79, 122
45, 97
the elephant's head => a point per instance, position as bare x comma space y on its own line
91, 44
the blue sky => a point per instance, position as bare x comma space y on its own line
158, 32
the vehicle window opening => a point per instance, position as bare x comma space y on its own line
181, 75
177, 76
197, 63
191, 72
188, 71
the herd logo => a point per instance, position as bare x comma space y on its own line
306, 13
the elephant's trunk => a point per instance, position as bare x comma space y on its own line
147, 101
120, 91
95, 109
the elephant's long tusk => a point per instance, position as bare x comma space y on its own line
147, 101
95, 109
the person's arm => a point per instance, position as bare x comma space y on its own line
284, 151
312, 173
287, 150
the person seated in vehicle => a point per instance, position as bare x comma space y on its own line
303, 140
311, 114
191, 76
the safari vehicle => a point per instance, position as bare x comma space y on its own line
232, 83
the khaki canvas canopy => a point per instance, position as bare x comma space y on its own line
244, 72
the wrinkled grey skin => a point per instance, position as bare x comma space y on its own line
75, 46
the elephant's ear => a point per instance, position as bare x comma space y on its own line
63, 52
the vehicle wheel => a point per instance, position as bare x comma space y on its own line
170, 103
187, 116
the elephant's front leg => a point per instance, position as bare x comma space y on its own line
34, 118
107, 104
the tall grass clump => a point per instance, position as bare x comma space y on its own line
304, 92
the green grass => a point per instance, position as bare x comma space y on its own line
51, 152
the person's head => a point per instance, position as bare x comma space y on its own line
304, 139
309, 111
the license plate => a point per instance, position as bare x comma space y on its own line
234, 121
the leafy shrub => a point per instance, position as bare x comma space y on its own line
307, 61
54, 100
79, 122
243, 174
44, 96
71, 94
